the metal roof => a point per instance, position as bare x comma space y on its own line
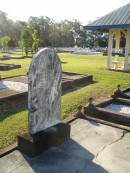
119, 18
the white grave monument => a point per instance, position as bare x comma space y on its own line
44, 95
44, 103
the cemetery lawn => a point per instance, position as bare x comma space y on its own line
16, 72
15, 121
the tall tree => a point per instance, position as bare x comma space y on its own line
26, 40
95, 39
35, 40
5, 42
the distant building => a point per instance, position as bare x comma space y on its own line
115, 23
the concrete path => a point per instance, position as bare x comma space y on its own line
93, 148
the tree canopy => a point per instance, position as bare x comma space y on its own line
46, 32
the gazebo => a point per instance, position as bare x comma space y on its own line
115, 23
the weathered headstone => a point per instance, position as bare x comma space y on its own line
44, 103
44, 91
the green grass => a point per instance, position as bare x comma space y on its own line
13, 53
106, 81
20, 71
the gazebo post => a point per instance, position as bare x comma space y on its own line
127, 50
117, 36
110, 46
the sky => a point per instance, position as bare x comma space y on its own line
83, 10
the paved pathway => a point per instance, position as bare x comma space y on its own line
93, 148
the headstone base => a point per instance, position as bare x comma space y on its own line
32, 145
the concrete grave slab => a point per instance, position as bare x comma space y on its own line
115, 110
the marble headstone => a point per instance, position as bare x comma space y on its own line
44, 92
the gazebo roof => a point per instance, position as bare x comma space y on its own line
119, 18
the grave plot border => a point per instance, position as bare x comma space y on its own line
17, 100
71, 84
121, 93
99, 111
7, 67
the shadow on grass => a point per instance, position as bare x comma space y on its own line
11, 112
